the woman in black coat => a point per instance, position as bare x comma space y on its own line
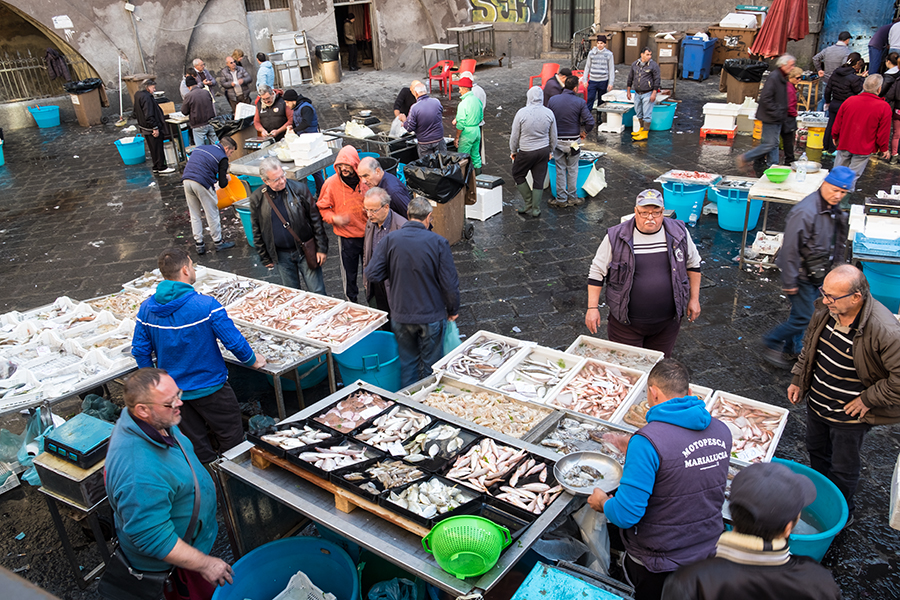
844, 82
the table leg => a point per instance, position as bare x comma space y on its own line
67, 544
744, 235
94, 522
295, 377
765, 216
331, 384
279, 396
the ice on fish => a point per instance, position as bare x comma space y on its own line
492, 410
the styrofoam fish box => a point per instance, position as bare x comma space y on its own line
623, 355
720, 116
745, 457
739, 20
638, 382
538, 353
703, 393
479, 337
488, 204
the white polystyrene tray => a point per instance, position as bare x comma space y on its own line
639, 379
539, 353
704, 393
781, 413
346, 344
653, 355
480, 335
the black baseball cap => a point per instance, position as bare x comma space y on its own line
772, 493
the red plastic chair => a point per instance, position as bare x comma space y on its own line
443, 77
466, 64
582, 89
547, 71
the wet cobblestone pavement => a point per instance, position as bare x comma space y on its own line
75, 221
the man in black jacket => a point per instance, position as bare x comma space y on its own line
754, 561
151, 122
772, 111
272, 235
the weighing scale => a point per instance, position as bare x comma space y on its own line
258, 143
361, 120
82, 440
883, 207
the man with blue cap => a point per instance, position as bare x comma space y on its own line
814, 236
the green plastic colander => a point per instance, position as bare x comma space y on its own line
466, 546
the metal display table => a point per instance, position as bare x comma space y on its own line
788, 192
476, 41
403, 149
13, 406
245, 513
249, 165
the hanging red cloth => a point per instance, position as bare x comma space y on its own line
772, 38
798, 25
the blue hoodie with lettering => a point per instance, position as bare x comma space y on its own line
627, 507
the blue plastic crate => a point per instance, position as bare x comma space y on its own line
863, 245
697, 57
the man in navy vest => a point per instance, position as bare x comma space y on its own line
305, 120
669, 502
204, 167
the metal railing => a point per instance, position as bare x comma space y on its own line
27, 78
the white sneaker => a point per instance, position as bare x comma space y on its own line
167, 171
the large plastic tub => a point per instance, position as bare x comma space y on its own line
254, 182
732, 208
374, 359
696, 57
663, 116
132, 152
2, 160
884, 282
828, 511
584, 169
685, 199
45, 116
263, 573
243, 210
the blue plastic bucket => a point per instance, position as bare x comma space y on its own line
584, 169
2, 160
311, 185
45, 116
374, 359
362, 155
732, 207
243, 210
254, 182
400, 174
685, 199
187, 136
663, 116
884, 282
309, 377
263, 573
829, 510
132, 153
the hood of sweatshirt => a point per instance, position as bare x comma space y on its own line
347, 156
535, 95
688, 412
169, 297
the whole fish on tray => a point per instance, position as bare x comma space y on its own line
298, 313
335, 457
752, 429
275, 348
123, 304
534, 379
629, 360
596, 390
481, 359
343, 325
534, 496
491, 410
441, 441
257, 304
230, 291
390, 430
431, 498
393, 473
295, 437
484, 465
353, 411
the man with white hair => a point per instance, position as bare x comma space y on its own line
370, 171
204, 78
772, 111
425, 119
862, 127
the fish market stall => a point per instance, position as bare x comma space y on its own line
365, 493
249, 165
380, 142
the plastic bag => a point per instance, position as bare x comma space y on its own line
397, 129
32, 445
395, 589
596, 181
301, 588
260, 423
747, 70
101, 408
9, 446
451, 337
438, 176
595, 534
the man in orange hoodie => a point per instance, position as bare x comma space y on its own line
341, 204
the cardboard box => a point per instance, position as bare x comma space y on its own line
732, 43
87, 108
167, 107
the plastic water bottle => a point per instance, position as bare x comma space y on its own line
801, 169
692, 220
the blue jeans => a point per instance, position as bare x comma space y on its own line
419, 346
771, 134
292, 264
205, 135
595, 90
875, 60
788, 337
643, 107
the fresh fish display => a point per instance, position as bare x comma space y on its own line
124, 304
230, 291
95, 331
113, 341
637, 414
393, 473
582, 476
370, 487
495, 411
597, 391
431, 498
257, 304
629, 360
298, 314
752, 428
442, 441
148, 280
390, 430
335, 457
481, 359
534, 497
484, 465
572, 435
275, 348
691, 176
343, 325
534, 378
353, 411
295, 437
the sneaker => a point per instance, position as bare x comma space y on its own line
553, 203
223, 245
777, 359
201, 248
895, 159
575, 201
166, 171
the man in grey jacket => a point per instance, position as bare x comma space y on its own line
531, 142
599, 71
236, 82
644, 79
814, 235
829, 59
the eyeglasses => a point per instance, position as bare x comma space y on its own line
650, 214
374, 211
831, 298
169, 405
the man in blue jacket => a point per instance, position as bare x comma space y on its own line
425, 119
181, 326
424, 290
573, 120
669, 502
151, 488
207, 166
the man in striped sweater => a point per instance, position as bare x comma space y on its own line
599, 71
849, 373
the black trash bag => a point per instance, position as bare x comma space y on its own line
439, 176
328, 52
84, 86
224, 125
747, 70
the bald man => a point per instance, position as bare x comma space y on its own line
405, 99
370, 171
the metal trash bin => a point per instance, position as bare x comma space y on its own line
328, 61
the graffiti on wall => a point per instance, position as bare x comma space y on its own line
509, 11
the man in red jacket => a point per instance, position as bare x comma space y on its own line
862, 126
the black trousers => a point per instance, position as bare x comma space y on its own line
212, 423
351, 250
834, 452
157, 151
353, 57
534, 161
647, 584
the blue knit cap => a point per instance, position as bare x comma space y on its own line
841, 177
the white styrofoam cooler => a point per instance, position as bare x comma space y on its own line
720, 116
737, 20
489, 203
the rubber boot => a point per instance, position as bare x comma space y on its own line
536, 196
643, 133
525, 191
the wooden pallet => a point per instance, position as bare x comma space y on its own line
344, 500
729, 133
